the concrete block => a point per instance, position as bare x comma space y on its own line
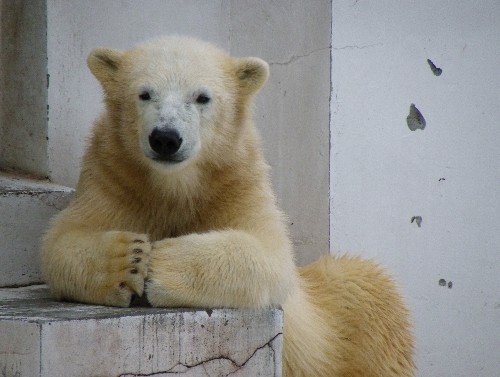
26, 207
43, 337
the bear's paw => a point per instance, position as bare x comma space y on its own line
127, 258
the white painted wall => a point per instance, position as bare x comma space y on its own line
383, 174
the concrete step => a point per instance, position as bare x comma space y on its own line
26, 206
43, 337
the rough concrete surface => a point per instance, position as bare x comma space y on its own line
43, 337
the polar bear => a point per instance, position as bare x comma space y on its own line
174, 203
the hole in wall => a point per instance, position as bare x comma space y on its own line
417, 220
415, 120
444, 283
437, 71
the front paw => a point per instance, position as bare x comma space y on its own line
125, 268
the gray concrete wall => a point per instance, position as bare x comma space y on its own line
292, 111
23, 83
448, 174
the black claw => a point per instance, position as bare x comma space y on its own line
138, 241
137, 260
134, 271
123, 285
137, 251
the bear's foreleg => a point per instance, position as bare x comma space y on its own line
229, 268
104, 268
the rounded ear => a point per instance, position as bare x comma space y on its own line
252, 74
104, 64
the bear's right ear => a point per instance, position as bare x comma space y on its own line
104, 64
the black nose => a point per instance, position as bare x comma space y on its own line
165, 141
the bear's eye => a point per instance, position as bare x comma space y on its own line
145, 96
202, 99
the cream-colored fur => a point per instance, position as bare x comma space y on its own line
203, 229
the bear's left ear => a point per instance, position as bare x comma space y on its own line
252, 74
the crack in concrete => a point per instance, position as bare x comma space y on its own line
356, 47
268, 344
204, 362
294, 58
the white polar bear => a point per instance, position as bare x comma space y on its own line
174, 202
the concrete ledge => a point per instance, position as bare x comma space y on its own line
43, 337
26, 207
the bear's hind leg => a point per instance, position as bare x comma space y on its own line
362, 305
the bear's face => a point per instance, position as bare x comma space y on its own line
177, 97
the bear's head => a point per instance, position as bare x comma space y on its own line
175, 99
